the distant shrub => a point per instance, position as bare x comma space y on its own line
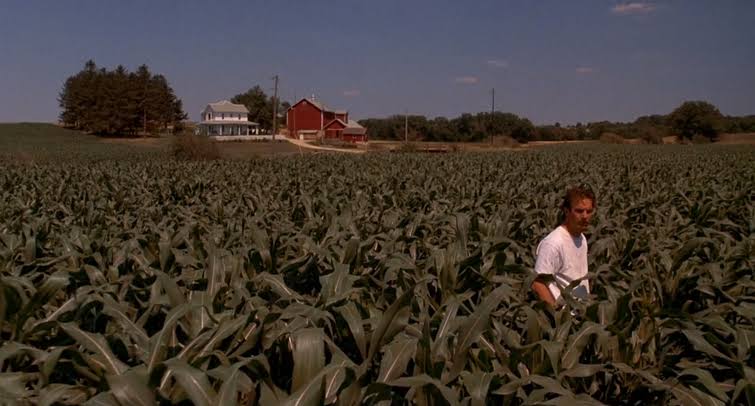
611, 138
335, 143
652, 136
700, 139
505, 141
193, 147
672, 139
407, 147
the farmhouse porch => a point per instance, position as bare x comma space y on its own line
223, 128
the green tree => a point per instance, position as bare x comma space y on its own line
467, 127
744, 124
696, 117
97, 116
547, 133
260, 106
161, 102
581, 131
141, 91
440, 130
283, 107
120, 111
523, 130
379, 128
511, 125
77, 98
118, 102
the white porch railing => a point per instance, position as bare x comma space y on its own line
266, 137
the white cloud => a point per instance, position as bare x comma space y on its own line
635, 7
584, 70
467, 80
351, 92
498, 63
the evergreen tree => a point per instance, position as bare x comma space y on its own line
140, 86
118, 102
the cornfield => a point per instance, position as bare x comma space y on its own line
377, 279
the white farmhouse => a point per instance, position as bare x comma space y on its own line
224, 118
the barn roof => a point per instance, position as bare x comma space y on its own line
319, 105
350, 124
352, 127
315, 103
354, 131
336, 120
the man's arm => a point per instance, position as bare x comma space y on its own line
542, 291
547, 264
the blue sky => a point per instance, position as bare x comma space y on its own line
550, 61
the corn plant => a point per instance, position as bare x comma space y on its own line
378, 279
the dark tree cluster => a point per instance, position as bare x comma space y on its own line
118, 102
692, 118
260, 107
467, 127
743, 124
696, 118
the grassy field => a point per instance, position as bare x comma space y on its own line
129, 277
741, 139
36, 141
508, 144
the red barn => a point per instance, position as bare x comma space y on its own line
310, 119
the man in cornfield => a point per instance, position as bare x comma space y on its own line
562, 254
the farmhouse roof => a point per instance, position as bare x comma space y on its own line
224, 106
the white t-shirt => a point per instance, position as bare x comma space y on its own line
564, 257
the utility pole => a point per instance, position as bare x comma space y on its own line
406, 126
492, 114
292, 126
275, 107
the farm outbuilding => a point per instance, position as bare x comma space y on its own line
347, 131
310, 119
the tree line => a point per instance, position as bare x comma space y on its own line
690, 119
119, 102
467, 127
